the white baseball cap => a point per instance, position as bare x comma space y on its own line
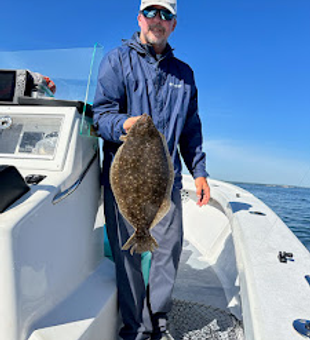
171, 5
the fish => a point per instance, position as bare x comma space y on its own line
141, 178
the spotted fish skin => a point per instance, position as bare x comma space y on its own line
141, 178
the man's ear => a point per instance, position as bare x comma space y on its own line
139, 19
174, 24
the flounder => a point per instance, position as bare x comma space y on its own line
141, 177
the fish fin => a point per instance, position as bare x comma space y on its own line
162, 212
171, 167
165, 206
140, 244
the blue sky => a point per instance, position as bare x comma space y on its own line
251, 61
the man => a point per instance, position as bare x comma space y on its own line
143, 76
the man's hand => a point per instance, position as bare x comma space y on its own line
130, 122
202, 191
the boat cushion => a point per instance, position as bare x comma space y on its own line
12, 186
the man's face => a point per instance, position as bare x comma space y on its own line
155, 31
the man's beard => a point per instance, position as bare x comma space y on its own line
156, 40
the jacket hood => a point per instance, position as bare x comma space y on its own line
135, 43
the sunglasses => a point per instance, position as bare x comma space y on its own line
151, 12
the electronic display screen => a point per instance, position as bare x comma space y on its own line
7, 85
29, 141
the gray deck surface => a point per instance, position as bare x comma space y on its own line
197, 281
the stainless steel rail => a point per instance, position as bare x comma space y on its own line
67, 192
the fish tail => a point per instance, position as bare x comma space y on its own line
140, 244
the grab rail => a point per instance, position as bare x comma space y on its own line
65, 193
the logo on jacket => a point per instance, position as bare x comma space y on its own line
177, 86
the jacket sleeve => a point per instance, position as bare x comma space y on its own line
191, 140
110, 103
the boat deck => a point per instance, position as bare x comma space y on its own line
206, 293
197, 281
200, 309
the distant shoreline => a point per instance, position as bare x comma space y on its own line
285, 186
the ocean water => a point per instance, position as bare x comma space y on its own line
291, 204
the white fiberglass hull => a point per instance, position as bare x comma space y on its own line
239, 238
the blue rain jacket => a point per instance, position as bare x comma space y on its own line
132, 80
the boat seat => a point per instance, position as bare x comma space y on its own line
90, 312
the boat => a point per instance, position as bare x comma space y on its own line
243, 274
